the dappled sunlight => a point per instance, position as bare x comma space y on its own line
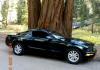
12, 29
86, 35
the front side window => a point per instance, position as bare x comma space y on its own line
39, 34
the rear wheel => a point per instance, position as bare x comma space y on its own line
73, 56
18, 49
7, 41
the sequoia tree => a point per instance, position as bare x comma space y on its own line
54, 15
4, 12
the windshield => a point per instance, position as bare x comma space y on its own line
22, 33
58, 36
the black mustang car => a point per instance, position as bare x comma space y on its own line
73, 49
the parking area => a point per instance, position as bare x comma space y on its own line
9, 61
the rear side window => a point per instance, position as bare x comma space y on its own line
28, 35
39, 34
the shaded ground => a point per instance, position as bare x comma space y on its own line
42, 62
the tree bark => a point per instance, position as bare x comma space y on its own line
55, 15
68, 17
51, 15
34, 7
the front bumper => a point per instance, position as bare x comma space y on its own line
93, 53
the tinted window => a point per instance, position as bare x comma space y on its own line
39, 34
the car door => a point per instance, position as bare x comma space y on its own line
27, 39
56, 45
40, 40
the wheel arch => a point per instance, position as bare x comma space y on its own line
74, 47
15, 41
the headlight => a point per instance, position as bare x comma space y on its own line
90, 49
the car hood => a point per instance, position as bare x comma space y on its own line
76, 41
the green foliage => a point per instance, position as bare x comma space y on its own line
85, 10
22, 12
80, 10
4, 12
96, 7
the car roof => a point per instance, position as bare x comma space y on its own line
44, 30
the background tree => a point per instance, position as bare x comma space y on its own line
86, 10
96, 7
4, 12
22, 12
81, 11
55, 15
34, 8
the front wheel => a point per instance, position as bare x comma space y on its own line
73, 56
18, 49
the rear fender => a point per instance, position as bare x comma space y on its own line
9, 39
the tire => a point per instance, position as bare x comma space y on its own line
18, 49
73, 56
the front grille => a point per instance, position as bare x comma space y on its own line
91, 48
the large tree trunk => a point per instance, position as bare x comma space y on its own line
51, 15
34, 7
68, 17
55, 15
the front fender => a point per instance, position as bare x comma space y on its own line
80, 47
76, 46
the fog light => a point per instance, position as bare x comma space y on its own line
89, 54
